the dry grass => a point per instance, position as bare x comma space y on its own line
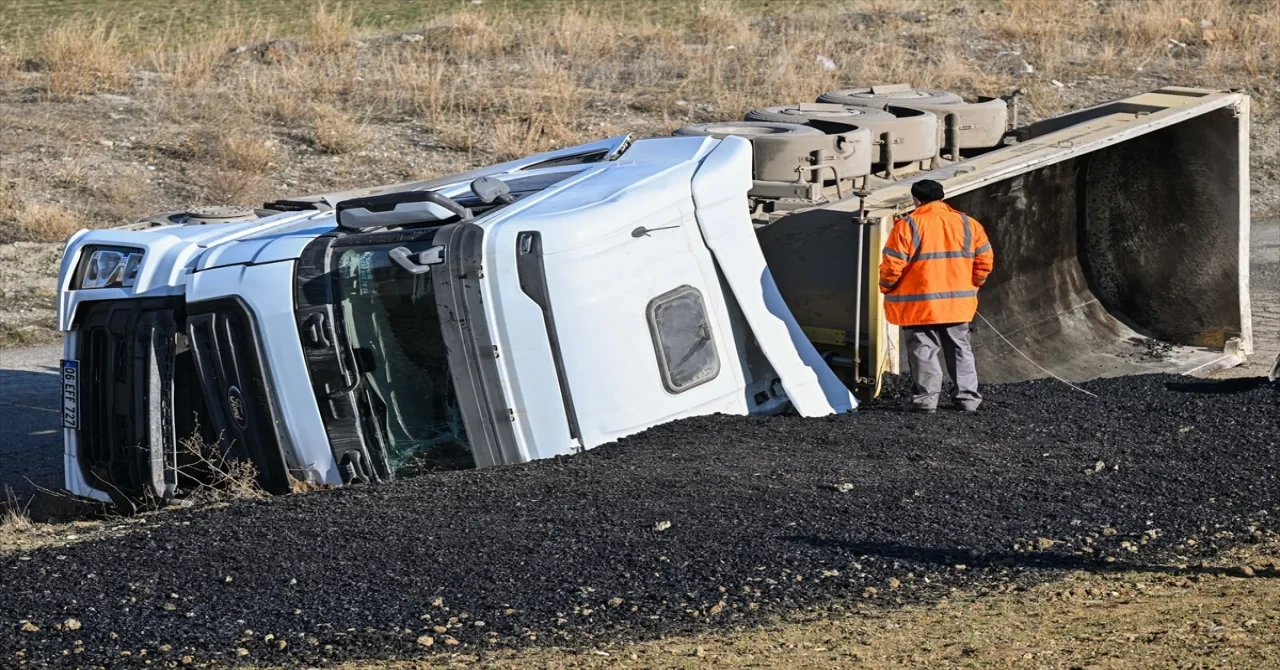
496, 81
225, 478
14, 518
333, 131
82, 57
44, 222
246, 149
332, 28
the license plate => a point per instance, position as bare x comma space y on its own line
71, 394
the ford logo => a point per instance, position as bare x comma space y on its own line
235, 405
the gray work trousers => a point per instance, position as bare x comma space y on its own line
924, 343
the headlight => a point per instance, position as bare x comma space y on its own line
110, 267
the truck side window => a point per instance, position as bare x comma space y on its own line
682, 339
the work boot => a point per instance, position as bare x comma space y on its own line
909, 406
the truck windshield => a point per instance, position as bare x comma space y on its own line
391, 325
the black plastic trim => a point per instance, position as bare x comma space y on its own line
228, 357
127, 440
531, 269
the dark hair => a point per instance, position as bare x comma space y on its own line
926, 190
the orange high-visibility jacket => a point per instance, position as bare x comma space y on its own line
934, 262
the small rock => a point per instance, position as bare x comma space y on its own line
449, 640
29, 627
438, 602
187, 660
1246, 571
440, 629
825, 63
242, 652
281, 644
164, 649
662, 525
411, 37
108, 144
71, 624
894, 583
1099, 466
614, 602
843, 487
1044, 543
718, 607
426, 640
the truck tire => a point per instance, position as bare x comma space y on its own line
856, 115
864, 97
745, 129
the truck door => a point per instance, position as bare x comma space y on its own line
643, 329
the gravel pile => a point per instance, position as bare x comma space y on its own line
705, 522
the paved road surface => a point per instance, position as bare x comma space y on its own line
31, 447
30, 435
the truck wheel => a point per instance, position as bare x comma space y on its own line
810, 111
865, 97
745, 129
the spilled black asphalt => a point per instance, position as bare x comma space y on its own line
702, 523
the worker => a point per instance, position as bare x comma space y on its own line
935, 260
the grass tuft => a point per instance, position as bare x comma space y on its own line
82, 57
15, 517
44, 222
333, 131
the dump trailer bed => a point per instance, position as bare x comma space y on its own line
1121, 236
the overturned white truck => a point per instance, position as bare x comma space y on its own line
559, 302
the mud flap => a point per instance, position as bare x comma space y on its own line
720, 195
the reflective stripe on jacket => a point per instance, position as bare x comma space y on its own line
934, 261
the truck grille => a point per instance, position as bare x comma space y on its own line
163, 410
128, 366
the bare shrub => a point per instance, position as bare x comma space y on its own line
72, 170
83, 57
225, 186
225, 478
42, 222
11, 199
15, 517
129, 187
245, 149
333, 131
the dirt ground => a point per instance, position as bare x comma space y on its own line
1222, 613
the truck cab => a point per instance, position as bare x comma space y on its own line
523, 311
